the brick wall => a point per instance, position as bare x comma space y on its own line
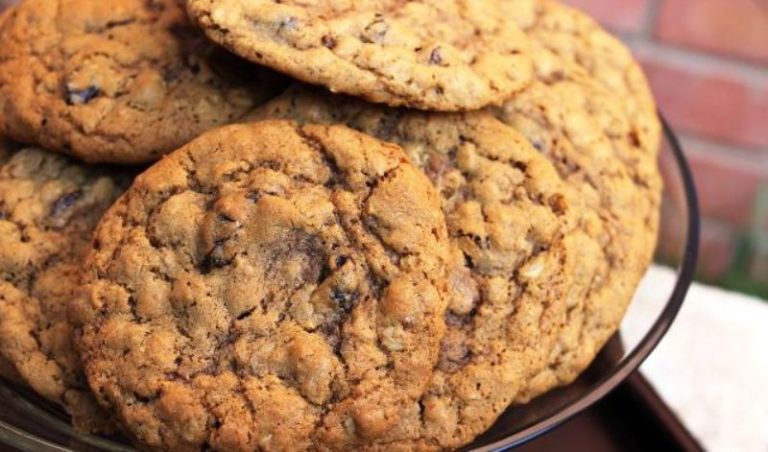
707, 62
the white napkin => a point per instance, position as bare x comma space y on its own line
712, 367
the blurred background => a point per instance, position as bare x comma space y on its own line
707, 62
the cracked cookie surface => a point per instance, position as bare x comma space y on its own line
122, 81
267, 286
49, 206
445, 55
510, 216
590, 112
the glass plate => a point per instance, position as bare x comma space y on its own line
30, 423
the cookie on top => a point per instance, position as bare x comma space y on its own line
122, 81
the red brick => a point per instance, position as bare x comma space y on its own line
716, 250
719, 106
627, 16
730, 27
727, 186
672, 232
717, 246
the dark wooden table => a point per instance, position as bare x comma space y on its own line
632, 418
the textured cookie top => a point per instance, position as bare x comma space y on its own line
618, 216
120, 81
49, 206
442, 55
590, 112
267, 287
509, 214
579, 47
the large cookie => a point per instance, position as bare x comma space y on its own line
49, 206
567, 43
7, 369
590, 112
268, 287
511, 217
445, 55
121, 81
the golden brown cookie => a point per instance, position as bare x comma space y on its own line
445, 55
569, 44
590, 112
121, 81
267, 286
49, 206
510, 216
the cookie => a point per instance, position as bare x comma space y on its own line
49, 206
267, 286
578, 45
445, 55
7, 370
123, 81
590, 113
510, 216
618, 215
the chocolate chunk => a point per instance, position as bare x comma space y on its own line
454, 320
454, 352
435, 57
82, 96
345, 300
325, 272
245, 314
291, 23
215, 259
65, 202
375, 31
329, 41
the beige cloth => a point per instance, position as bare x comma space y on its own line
712, 367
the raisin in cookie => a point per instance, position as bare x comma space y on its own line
510, 216
442, 55
49, 206
121, 81
267, 286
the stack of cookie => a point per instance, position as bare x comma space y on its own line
289, 225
